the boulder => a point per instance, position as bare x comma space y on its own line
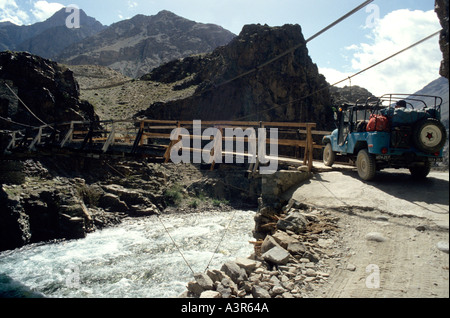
277, 255
247, 264
195, 288
236, 273
204, 281
259, 292
216, 275
210, 294
111, 202
294, 221
268, 243
284, 239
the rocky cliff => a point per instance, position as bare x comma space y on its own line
136, 46
442, 9
351, 94
280, 91
48, 89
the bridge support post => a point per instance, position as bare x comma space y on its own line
36, 140
111, 138
68, 135
171, 144
309, 147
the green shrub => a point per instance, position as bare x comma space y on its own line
174, 195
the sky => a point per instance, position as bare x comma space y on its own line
380, 29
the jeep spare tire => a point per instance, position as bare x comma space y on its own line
429, 135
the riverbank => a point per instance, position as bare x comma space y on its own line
291, 262
67, 199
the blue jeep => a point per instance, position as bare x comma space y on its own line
393, 131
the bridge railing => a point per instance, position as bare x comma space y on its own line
152, 138
295, 136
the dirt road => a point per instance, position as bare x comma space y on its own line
394, 234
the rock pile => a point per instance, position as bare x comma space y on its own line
288, 264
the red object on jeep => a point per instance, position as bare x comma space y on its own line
378, 123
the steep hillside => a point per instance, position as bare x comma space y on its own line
48, 38
284, 90
116, 96
136, 46
438, 87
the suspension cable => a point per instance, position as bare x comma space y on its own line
16, 123
221, 240
345, 79
389, 57
31, 112
175, 244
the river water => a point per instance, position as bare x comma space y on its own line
136, 259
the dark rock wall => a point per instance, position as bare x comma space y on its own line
280, 91
48, 89
442, 8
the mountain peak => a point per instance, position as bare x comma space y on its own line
165, 13
59, 18
135, 46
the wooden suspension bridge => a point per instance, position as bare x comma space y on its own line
151, 139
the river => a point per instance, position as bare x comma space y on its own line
136, 259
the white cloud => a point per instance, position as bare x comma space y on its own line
333, 76
9, 11
43, 10
405, 73
132, 4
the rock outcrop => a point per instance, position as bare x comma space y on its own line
442, 9
284, 90
351, 94
136, 46
49, 90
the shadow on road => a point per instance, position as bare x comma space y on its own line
431, 190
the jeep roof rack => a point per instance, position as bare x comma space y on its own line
409, 98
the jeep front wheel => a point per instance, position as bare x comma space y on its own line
430, 135
329, 156
366, 165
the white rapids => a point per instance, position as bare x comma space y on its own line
136, 259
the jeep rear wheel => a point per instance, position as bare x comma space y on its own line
420, 171
429, 135
329, 156
366, 165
